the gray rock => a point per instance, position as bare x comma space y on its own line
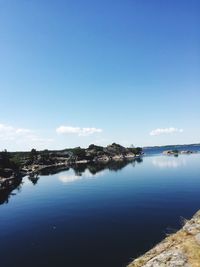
169, 258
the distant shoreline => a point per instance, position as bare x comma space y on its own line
178, 145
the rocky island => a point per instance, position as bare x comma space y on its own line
176, 152
15, 164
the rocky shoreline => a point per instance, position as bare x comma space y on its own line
19, 164
181, 249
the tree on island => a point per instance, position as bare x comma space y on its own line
6, 161
136, 150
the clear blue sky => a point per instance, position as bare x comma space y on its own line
128, 71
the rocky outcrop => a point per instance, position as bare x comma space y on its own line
36, 162
181, 249
177, 152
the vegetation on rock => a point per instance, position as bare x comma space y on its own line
12, 162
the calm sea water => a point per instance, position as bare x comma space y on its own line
99, 216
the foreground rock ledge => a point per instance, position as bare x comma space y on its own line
181, 249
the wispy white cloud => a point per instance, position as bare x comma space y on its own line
9, 133
169, 130
22, 136
77, 130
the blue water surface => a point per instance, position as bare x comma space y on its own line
99, 217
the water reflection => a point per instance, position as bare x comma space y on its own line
96, 167
93, 170
72, 177
80, 171
168, 162
34, 179
7, 188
